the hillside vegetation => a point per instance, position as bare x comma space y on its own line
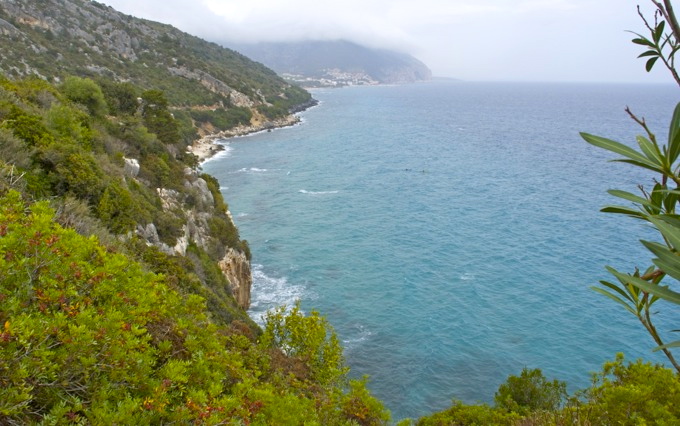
57, 38
98, 325
124, 282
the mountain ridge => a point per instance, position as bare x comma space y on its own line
55, 38
340, 61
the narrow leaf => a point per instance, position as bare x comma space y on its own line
645, 164
631, 197
650, 150
648, 53
669, 201
675, 344
668, 230
674, 136
618, 289
661, 251
671, 269
614, 298
643, 42
619, 148
662, 291
658, 31
650, 63
624, 210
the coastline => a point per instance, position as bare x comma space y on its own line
207, 146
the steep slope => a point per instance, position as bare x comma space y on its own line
88, 336
337, 60
55, 38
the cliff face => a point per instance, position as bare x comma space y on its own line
163, 89
236, 267
199, 230
55, 38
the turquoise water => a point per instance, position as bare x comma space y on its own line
449, 231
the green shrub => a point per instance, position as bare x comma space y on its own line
70, 125
85, 92
530, 391
309, 339
460, 414
633, 393
88, 336
117, 209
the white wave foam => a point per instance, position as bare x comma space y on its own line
251, 170
360, 335
242, 215
467, 277
303, 191
223, 153
270, 292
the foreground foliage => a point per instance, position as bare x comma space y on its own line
74, 144
633, 393
88, 336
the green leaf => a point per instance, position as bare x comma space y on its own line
669, 229
674, 136
650, 63
656, 198
618, 289
643, 42
662, 291
650, 150
621, 149
658, 31
669, 201
645, 165
670, 269
631, 197
614, 298
661, 251
675, 344
648, 53
624, 210
667, 261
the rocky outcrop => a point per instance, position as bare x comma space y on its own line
236, 267
206, 147
7, 29
131, 167
214, 85
234, 263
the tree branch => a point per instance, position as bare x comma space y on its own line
669, 14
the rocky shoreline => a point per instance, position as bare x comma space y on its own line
207, 146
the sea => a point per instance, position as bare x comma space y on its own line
451, 231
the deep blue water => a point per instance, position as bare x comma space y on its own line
450, 231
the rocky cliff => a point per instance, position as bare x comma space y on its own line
55, 38
120, 149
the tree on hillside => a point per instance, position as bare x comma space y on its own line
158, 118
640, 290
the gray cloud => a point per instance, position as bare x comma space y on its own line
526, 40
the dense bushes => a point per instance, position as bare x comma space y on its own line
87, 336
633, 393
52, 146
223, 119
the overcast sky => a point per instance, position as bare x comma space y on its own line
515, 40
